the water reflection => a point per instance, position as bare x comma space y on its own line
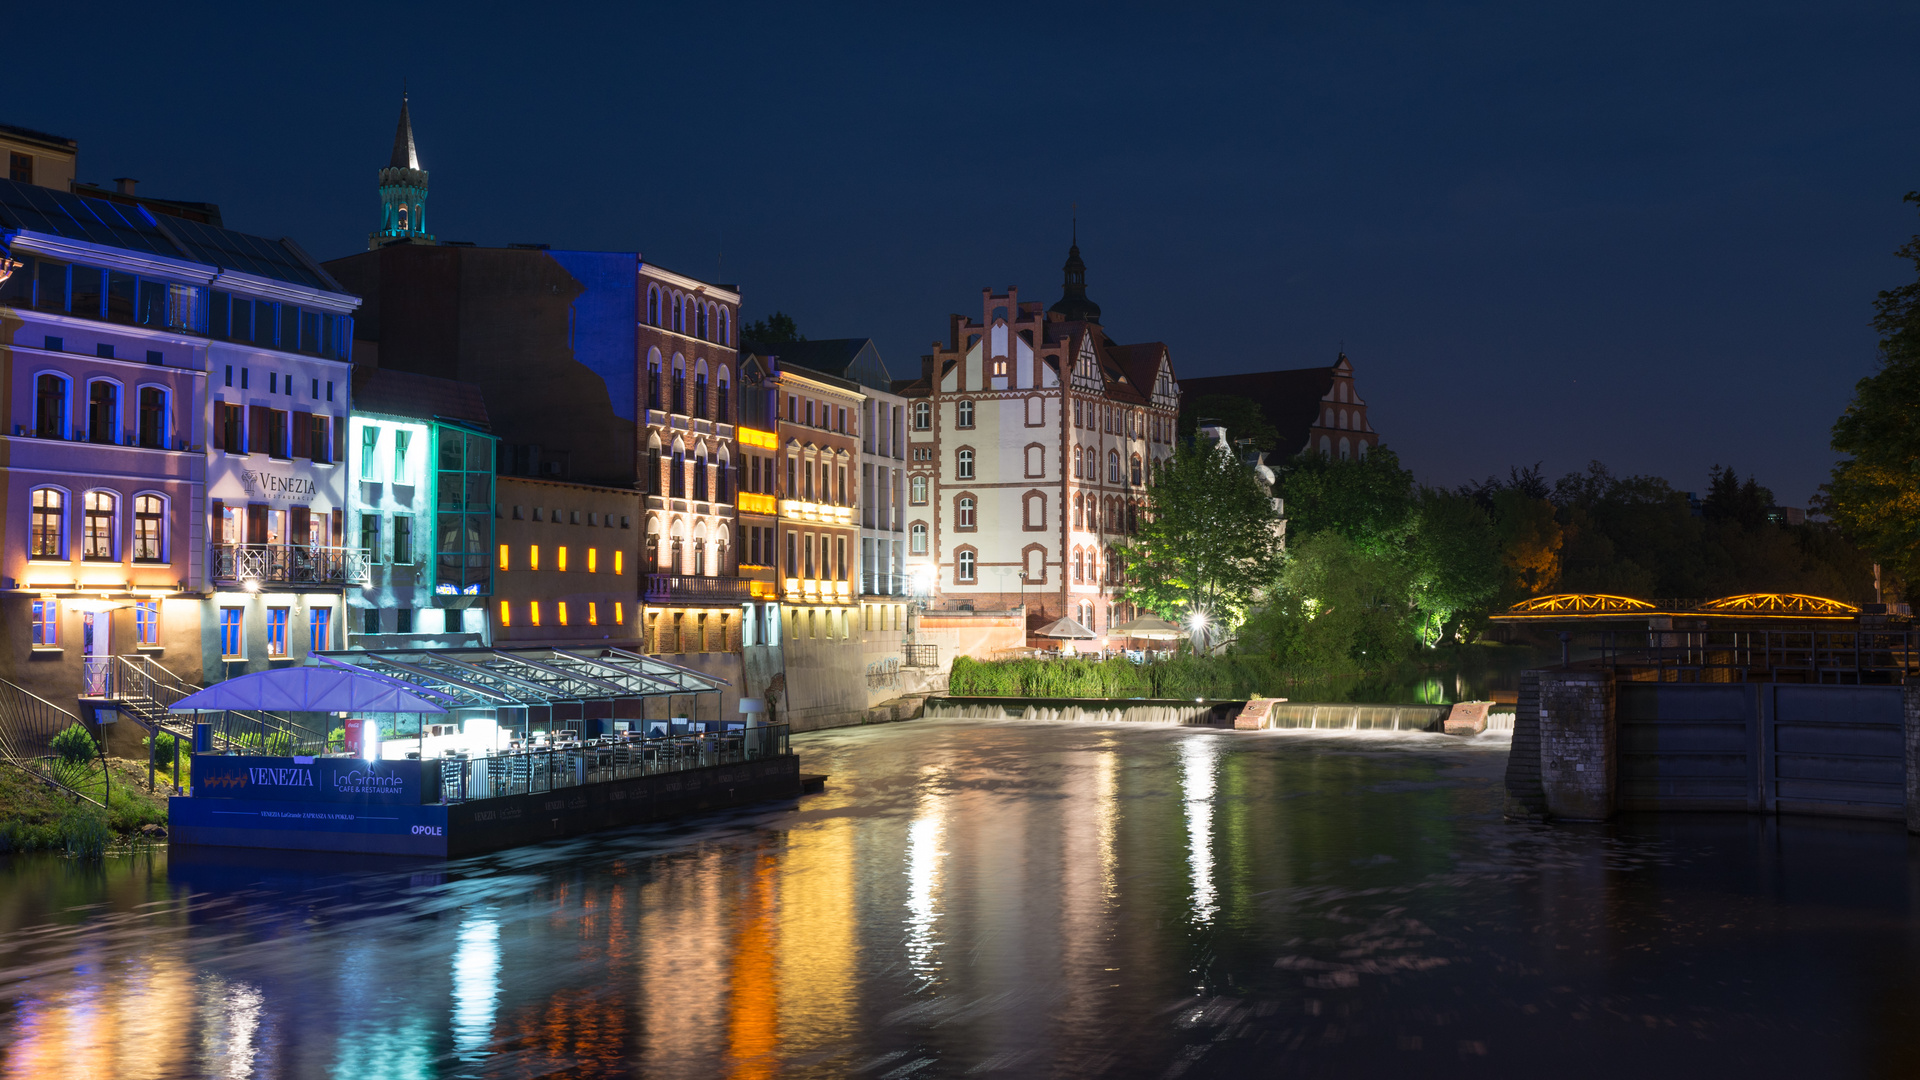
1196, 781
476, 984
1005, 900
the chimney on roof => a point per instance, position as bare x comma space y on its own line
124, 184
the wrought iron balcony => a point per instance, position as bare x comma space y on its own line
289, 564
691, 589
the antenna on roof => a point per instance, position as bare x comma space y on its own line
1076, 223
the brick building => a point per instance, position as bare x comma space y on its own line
1031, 436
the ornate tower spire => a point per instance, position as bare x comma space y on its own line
403, 191
1073, 301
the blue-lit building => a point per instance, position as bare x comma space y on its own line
176, 394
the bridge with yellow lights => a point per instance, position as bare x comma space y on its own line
1601, 607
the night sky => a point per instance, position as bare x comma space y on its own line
1644, 233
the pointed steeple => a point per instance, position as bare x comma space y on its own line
404, 155
403, 190
1073, 301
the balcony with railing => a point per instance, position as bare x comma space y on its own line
289, 564
693, 589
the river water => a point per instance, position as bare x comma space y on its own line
1006, 899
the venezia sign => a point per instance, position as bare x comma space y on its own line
260, 483
319, 779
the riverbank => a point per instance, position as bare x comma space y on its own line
36, 817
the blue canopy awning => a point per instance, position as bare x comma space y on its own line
313, 689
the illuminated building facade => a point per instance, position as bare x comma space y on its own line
688, 462
420, 463
178, 392
564, 565
1031, 436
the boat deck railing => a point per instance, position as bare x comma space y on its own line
619, 757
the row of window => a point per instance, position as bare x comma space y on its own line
594, 518
674, 397
100, 526
687, 314
812, 556
831, 417
560, 559
1340, 418
92, 292
562, 615
153, 418
677, 552
715, 485
46, 623
1086, 466
258, 523
1119, 420
277, 433
233, 637
452, 621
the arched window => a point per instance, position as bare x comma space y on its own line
919, 488
966, 565
1079, 565
963, 513
677, 476
919, 541
723, 476
720, 552
49, 524
1113, 466
964, 465
653, 306
152, 429
654, 400
1077, 472
1344, 448
1360, 450
1135, 470
50, 407
149, 528
700, 476
678, 550
97, 539
700, 393
1326, 445
1078, 516
722, 407
922, 415
966, 414
725, 326
679, 386
1093, 464
699, 556
103, 411
1342, 414
700, 322
679, 315
652, 560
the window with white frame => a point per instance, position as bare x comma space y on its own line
97, 539
149, 528
966, 565
963, 512
918, 543
49, 525
963, 464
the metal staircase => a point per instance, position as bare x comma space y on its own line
143, 691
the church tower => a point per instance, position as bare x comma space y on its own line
403, 192
1073, 302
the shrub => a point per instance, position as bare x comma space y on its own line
1185, 676
279, 744
84, 832
74, 746
161, 743
126, 812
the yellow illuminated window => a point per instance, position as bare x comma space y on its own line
503, 556
618, 562
562, 605
533, 612
593, 560
619, 615
505, 618
533, 557
593, 613
561, 561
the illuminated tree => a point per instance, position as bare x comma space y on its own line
1210, 542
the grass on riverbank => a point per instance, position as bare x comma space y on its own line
35, 817
1179, 677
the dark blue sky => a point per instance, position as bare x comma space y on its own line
1644, 233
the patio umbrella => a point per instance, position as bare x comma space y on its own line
312, 689
1151, 627
1065, 628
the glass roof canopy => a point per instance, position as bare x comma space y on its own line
531, 677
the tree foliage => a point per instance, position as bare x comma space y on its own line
776, 329
1874, 494
1210, 540
1369, 500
